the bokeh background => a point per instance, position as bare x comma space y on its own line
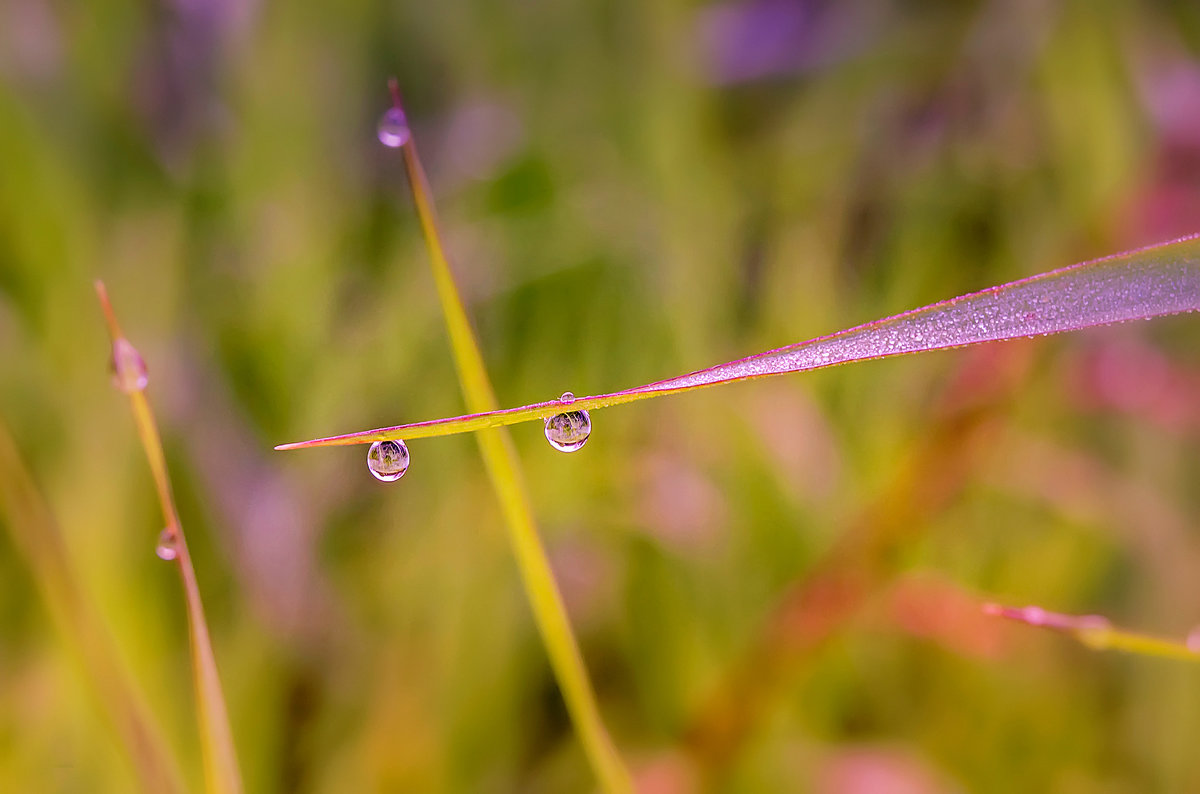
776, 585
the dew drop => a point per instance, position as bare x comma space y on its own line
567, 398
568, 432
1035, 616
1094, 623
167, 548
388, 460
393, 128
129, 370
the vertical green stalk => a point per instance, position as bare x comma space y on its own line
503, 468
221, 773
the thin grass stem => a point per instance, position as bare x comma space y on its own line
504, 471
221, 774
1098, 633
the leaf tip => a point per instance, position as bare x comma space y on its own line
333, 441
394, 89
110, 317
992, 609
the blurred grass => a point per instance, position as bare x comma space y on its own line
623, 208
35, 534
1098, 633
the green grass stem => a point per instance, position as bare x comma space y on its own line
503, 468
221, 774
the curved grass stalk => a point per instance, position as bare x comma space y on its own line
1098, 633
1150, 282
504, 471
221, 772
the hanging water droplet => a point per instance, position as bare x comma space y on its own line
129, 370
568, 432
567, 398
388, 460
393, 128
167, 548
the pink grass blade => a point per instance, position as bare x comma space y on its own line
221, 772
1150, 282
1098, 633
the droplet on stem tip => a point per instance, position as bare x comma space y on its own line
393, 128
168, 545
388, 460
128, 367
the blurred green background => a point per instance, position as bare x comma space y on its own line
775, 584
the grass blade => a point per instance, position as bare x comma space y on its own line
1149, 282
503, 468
1098, 633
221, 773
36, 535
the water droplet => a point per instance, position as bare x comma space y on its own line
393, 128
568, 432
129, 370
1094, 623
167, 548
1035, 616
388, 460
567, 398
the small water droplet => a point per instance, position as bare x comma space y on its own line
1094, 623
388, 460
129, 370
568, 432
1035, 616
567, 398
167, 548
393, 128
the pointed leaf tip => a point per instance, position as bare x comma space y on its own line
110, 316
1149, 282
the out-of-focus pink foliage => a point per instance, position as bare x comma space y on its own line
1128, 376
870, 770
944, 613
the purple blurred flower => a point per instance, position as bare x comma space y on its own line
748, 41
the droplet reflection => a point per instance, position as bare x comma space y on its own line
388, 460
568, 432
393, 128
167, 548
128, 367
